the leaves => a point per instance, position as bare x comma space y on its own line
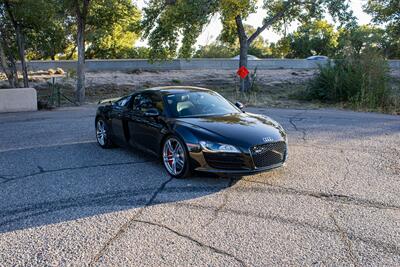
169, 25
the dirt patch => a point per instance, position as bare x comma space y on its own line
273, 86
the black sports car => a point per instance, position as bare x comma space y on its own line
192, 128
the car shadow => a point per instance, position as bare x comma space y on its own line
68, 182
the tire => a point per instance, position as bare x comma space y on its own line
103, 135
175, 157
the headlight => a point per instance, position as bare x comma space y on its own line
217, 147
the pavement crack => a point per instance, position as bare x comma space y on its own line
293, 120
347, 242
41, 170
125, 227
331, 197
197, 242
44, 171
222, 205
388, 247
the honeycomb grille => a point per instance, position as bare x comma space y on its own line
268, 154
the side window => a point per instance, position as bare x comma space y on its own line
143, 102
124, 101
157, 102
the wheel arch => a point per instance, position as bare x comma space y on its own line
181, 132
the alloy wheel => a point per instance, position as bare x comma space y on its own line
174, 156
101, 133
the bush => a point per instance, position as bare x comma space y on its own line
362, 81
215, 50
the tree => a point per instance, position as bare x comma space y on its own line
230, 47
7, 56
169, 24
354, 40
53, 37
113, 28
317, 37
281, 48
7, 59
105, 27
19, 19
215, 50
16, 23
79, 9
387, 12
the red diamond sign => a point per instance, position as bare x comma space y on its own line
243, 72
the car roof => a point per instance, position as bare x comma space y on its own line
175, 89
318, 57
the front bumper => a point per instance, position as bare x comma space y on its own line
236, 163
239, 172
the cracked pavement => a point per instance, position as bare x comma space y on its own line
64, 201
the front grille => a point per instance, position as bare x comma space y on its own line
268, 154
227, 161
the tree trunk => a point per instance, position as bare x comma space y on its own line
20, 42
8, 68
80, 86
244, 48
245, 83
81, 15
21, 52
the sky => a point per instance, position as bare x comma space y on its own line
211, 32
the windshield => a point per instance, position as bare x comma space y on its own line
197, 104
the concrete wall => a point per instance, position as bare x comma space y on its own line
394, 64
182, 64
18, 99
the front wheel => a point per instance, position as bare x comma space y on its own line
175, 158
103, 134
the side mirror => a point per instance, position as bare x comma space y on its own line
239, 105
152, 112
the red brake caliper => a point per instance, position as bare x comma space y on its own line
169, 155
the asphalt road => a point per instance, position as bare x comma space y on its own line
64, 201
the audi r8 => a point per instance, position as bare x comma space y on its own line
192, 129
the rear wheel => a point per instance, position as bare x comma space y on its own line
175, 158
103, 134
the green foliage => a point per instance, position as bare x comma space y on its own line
361, 80
174, 18
224, 49
387, 12
228, 10
52, 37
215, 50
317, 37
171, 24
112, 28
281, 48
359, 38
33, 17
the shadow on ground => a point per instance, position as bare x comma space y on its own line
68, 182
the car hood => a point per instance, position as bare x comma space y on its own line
244, 129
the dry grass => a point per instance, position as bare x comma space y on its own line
275, 88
